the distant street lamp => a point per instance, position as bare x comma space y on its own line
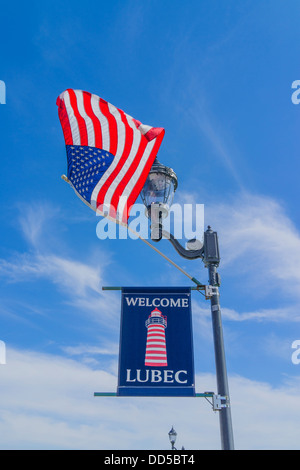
157, 195
172, 436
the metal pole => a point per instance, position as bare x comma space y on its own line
221, 370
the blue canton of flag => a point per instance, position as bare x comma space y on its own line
86, 166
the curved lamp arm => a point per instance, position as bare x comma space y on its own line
188, 254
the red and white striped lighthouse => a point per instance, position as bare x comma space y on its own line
156, 351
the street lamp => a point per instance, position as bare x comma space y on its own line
157, 195
172, 436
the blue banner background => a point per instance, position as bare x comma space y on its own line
179, 343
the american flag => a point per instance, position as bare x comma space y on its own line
109, 153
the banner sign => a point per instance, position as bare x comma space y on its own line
156, 344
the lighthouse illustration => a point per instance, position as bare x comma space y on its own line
156, 351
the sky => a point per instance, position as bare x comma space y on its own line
217, 76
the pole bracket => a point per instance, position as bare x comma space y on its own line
210, 291
219, 402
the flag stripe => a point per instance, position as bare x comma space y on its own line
116, 178
83, 136
103, 123
144, 153
64, 119
90, 133
72, 120
112, 126
138, 147
126, 176
97, 134
138, 185
101, 187
115, 124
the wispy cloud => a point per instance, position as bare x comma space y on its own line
49, 404
80, 282
258, 237
283, 314
106, 349
223, 150
260, 249
34, 221
70, 275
